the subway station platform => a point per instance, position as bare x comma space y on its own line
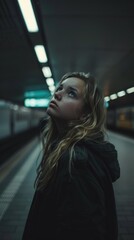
16, 188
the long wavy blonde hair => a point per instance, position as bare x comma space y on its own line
92, 126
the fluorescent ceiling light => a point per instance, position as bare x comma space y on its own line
30, 102
37, 94
47, 72
113, 96
28, 15
52, 88
50, 81
36, 102
107, 98
121, 93
41, 53
130, 90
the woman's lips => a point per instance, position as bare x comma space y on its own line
53, 104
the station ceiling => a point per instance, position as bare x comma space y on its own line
89, 36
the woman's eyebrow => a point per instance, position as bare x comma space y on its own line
69, 87
73, 88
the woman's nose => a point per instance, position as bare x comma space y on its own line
57, 95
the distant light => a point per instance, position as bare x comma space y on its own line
107, 98
51, 88
28, 15
113, 96
32, 102
130, 90
41, 53
106, 104
121, 93
2, 103
37, 94
36, 102
24, 109
50, 81
15, 107
47, 72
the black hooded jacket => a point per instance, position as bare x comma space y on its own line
80, 205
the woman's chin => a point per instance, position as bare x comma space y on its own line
50, 112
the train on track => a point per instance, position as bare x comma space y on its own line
121, 119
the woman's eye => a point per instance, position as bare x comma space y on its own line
72, 94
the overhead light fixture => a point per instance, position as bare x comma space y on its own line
28, 15
130, 90
33, 102
47, 72
121, 93
36, 94
107, 98
41, 53
50, 81
51, 88
113, 96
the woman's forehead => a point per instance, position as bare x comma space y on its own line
73, 82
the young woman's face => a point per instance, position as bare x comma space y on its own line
68, 101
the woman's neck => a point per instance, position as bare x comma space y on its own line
61, 128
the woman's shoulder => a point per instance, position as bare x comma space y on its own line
100, 156
89, 146
87, 150
83, 149
81, 155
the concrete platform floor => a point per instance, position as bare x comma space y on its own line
16, 188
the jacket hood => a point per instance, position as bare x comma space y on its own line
107, 153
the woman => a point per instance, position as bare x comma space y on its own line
74, 197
